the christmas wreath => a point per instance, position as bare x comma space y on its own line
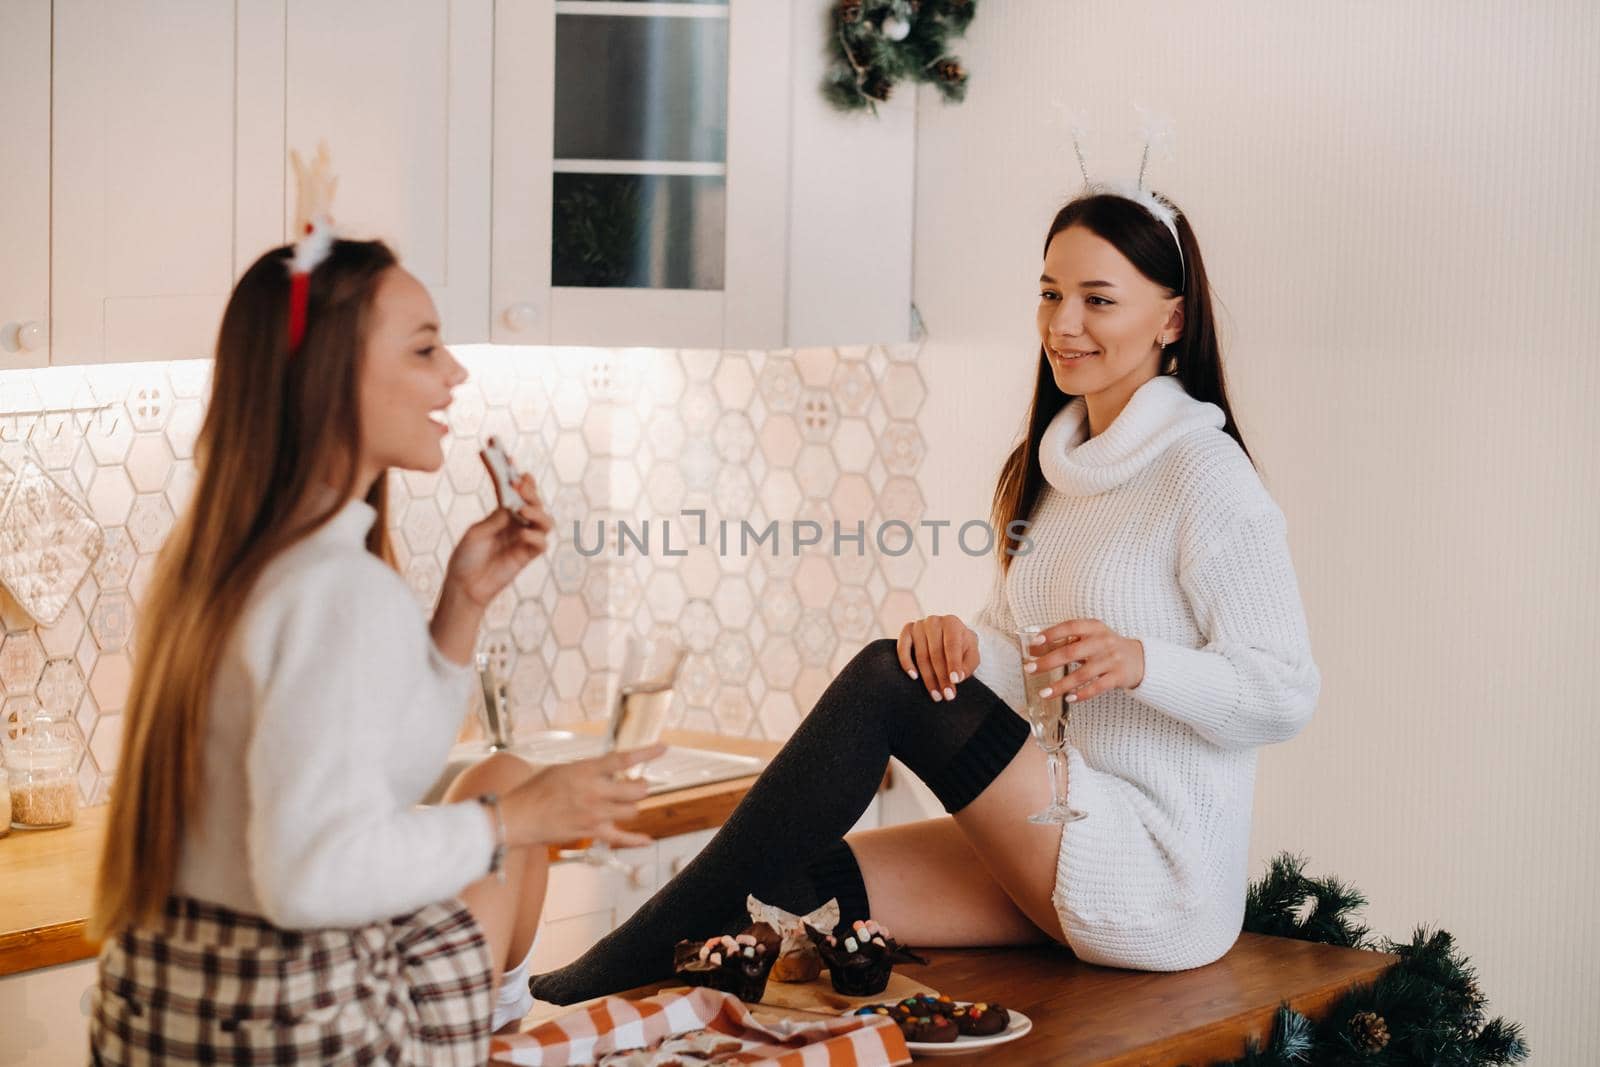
1426, 1009
880, 42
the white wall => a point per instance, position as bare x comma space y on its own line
1396, 202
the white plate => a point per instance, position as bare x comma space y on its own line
1019, 1025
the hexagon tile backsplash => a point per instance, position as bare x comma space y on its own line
680, 461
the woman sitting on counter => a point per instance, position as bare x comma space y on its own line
269, 891
1157, 560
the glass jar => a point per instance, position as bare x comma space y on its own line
42, 765
5, 801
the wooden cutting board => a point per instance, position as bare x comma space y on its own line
817, 997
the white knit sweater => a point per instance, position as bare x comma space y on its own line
331, 715
1160, 528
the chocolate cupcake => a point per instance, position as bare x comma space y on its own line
860, 957
981, 1020
737, 965
797, 958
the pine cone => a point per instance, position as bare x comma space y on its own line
877, 85
1370, 1031
847, 11
949, 70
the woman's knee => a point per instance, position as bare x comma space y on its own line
499, 774
877, 664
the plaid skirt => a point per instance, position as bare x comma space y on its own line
208, 985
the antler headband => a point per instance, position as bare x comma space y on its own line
313, 228
1158, 137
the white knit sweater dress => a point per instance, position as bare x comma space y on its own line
1160, 528
332, 713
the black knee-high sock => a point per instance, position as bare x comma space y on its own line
784, 841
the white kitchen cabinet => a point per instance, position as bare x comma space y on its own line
145, 207
669, 174
46, 1014
583, 903
507, 148
25, 207
401, 91
172, 124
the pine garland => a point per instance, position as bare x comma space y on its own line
1425, 1010
880, 42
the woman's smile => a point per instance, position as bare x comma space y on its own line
1067, 357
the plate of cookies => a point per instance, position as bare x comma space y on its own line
940, 1026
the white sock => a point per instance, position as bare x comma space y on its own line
513, 999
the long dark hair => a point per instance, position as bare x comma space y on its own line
1195, 358
274, 423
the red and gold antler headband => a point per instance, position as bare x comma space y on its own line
313, 232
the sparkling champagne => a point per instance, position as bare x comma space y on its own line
639, 717
1048, 716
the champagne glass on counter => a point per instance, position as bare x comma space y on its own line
1049, 718
639, 710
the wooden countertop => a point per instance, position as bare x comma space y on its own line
1086, 1015
47, 876
1083, 1014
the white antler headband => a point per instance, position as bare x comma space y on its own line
1159, 137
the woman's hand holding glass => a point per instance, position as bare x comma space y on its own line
939, 651
585, 799
1105, 659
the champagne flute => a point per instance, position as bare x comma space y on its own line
1049, 718
639, 712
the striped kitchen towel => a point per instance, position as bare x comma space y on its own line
611, 1027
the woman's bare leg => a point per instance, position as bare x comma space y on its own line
991, 870
908, 865
507, 911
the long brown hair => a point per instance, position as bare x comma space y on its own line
1195, 358
276, 423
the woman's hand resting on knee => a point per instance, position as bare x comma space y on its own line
939, 651
577, 800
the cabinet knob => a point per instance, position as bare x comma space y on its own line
30, 336
520, 317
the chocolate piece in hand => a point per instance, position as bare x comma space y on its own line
737, 965
504, 474
860, 956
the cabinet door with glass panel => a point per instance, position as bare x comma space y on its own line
669, 174
611, 137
